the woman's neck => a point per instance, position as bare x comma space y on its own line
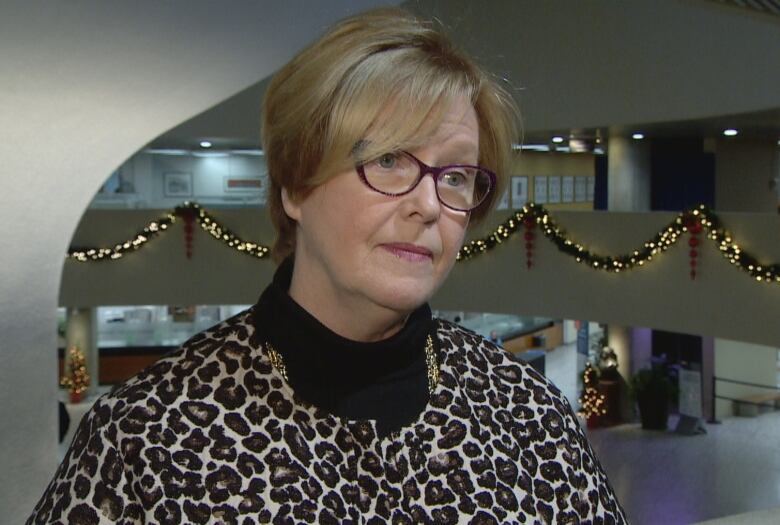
348, 315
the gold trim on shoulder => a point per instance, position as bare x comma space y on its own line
277, 361
433, 365
431, 362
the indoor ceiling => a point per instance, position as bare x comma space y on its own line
234, 123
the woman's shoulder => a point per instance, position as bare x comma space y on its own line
478, 357
209, 365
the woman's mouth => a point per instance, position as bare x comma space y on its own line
409, 252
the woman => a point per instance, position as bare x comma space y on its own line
337, 398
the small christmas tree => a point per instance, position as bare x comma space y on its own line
77, 380
592, 404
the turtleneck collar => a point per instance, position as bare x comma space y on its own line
325, 368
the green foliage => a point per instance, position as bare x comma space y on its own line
652, 380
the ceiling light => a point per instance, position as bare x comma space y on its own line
167, 151
251, 152
207, 154
205, 144
579, 145
557, 140
638, 136
730, 132
534, 147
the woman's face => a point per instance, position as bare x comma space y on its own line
358, 248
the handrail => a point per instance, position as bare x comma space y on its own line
713, 419
745, 383
742, 401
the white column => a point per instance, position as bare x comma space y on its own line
81, 332
628, 189
619, 339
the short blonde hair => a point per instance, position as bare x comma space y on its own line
383, 75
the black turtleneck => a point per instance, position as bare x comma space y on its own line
386, 380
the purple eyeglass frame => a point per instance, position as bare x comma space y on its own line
434, 171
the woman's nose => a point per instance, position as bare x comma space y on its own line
424, 200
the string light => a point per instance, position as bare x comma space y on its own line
155, 228
77, 379
592, 403
533, 213
660, 243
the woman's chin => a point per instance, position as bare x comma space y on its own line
400, 296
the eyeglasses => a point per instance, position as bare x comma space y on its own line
459, 187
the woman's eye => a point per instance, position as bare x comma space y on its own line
454, 178
387, 160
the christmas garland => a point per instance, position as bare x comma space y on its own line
188, 212
699, 220
693, 222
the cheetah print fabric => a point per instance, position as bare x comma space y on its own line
211, 433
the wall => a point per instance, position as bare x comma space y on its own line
641, 349
208, 174
83, 85
721, 302
605, 63
742, 362
747, 173
554, 164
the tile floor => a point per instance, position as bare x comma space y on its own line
666, 478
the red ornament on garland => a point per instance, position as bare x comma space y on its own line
694, 228
188, 215
530, 225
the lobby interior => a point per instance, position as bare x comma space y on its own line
632, 113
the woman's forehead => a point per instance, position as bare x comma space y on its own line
450, 119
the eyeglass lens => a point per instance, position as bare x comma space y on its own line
459, 187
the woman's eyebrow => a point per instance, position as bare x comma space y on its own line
463, 152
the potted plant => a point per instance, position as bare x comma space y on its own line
652, 390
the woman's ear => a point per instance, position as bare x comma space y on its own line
291, 207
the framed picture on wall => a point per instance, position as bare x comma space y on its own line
503, 202
540, 189
182, 314
591, 188
177, 184
554, 189
519, 192
243, 184
580, 189
567, 189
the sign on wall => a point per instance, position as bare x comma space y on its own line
519, 192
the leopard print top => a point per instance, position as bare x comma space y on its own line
212, 433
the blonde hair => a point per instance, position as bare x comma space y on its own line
383, 75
